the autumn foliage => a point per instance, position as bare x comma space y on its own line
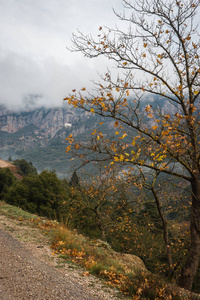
158, 56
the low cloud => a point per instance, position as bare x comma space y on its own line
34, 62
26, 82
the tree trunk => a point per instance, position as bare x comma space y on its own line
189, 270
101, 228
165, 234
100, 225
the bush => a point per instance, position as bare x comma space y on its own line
25, 167
7, 179
42, 194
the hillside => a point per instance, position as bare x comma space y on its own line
29, 238
28, 260
11, 166
39, 135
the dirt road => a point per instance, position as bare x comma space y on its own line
22, 276
29, 271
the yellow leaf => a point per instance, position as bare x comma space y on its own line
116, 124
194, 45
69, 137
154, 127
145, 45
94, 132
148, 107
76, 146
92, 110
121, 157
68, 148
123, 136
144, 55
125, 63
83, 89
117, 89
117, 132
100, 123
133, 143
87, 273
196, 92
160, 158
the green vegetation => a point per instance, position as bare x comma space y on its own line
25, 167
7, 179
125, 272
39, 194
157, 54
111, 213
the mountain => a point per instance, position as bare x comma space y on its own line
38, 135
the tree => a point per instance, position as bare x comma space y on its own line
25, 167
42, 194
158, 56
74, 181
7, 179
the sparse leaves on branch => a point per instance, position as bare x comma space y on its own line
158, 56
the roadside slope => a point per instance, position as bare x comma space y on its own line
28, 270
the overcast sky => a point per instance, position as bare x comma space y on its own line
33, 55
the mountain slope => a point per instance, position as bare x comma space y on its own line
14, 169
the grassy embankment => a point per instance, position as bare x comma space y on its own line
122, 271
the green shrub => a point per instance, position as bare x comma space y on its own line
7, 179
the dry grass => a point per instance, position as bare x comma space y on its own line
123, 271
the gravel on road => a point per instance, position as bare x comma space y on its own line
24, 277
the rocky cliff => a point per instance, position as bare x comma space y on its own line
47, 121
39, 135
